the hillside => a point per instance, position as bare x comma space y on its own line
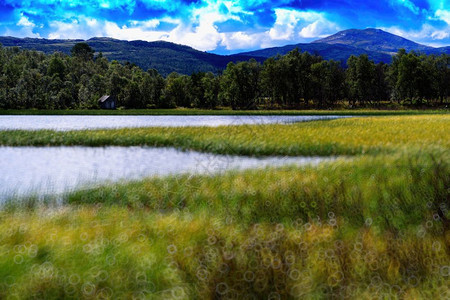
169, 57
377, 44
164, 56
377, 40
372, 40
336, 52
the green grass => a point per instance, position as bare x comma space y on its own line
359, 228
392, 191
184, 111
373, 225
333, 137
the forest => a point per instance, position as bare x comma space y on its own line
34, 80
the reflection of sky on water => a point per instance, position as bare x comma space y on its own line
43, 170
96, 122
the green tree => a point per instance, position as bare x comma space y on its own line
443, 77
408, 76
152, 87
381, 88
360, 78
211, 87
82, 51
274, 81
56, 67
177, 91
328, 80
240, 84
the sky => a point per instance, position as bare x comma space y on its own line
224, 26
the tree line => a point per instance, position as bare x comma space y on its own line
31, 79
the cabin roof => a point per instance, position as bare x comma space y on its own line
104, 98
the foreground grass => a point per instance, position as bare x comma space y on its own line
373, 226
181, 111
333, 137
370, 227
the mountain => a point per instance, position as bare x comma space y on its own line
336, 52
169, 57
164, 56
438, 51
373, 40
377, 44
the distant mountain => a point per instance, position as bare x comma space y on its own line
377, 44
164, 56
373, 40
438, 51
336, 52
169, 57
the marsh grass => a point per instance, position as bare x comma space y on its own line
392, 191
116, 253
372, 135
373, 226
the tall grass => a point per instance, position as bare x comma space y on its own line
116, 253
391, 191
372, 226
333, 137
369, 227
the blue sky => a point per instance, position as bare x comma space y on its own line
224, 26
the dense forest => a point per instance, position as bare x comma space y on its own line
31, 79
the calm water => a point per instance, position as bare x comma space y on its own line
44, 170
92, 122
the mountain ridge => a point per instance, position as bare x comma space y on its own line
373, 39
379, 45
164, 56
336, 52
169, 57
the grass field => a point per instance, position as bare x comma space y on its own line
331, 137
372, 225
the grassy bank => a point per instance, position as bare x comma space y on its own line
371, 227
181, 111
333, 137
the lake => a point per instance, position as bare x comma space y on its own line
44, 170
97, 122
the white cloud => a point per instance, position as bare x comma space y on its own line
290, 26
200, 30
440, 34
305, 24
24, 28
409, 5
242, 40
111, 29
318, 29
153, 23
25, 22
443, 15
426, 35
81, 28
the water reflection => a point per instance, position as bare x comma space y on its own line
42, 170
96, 122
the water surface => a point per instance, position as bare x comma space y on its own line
44, 170
31, 122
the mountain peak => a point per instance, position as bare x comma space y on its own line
372, 39
102, 39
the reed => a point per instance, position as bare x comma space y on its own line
370, 135
361, 227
